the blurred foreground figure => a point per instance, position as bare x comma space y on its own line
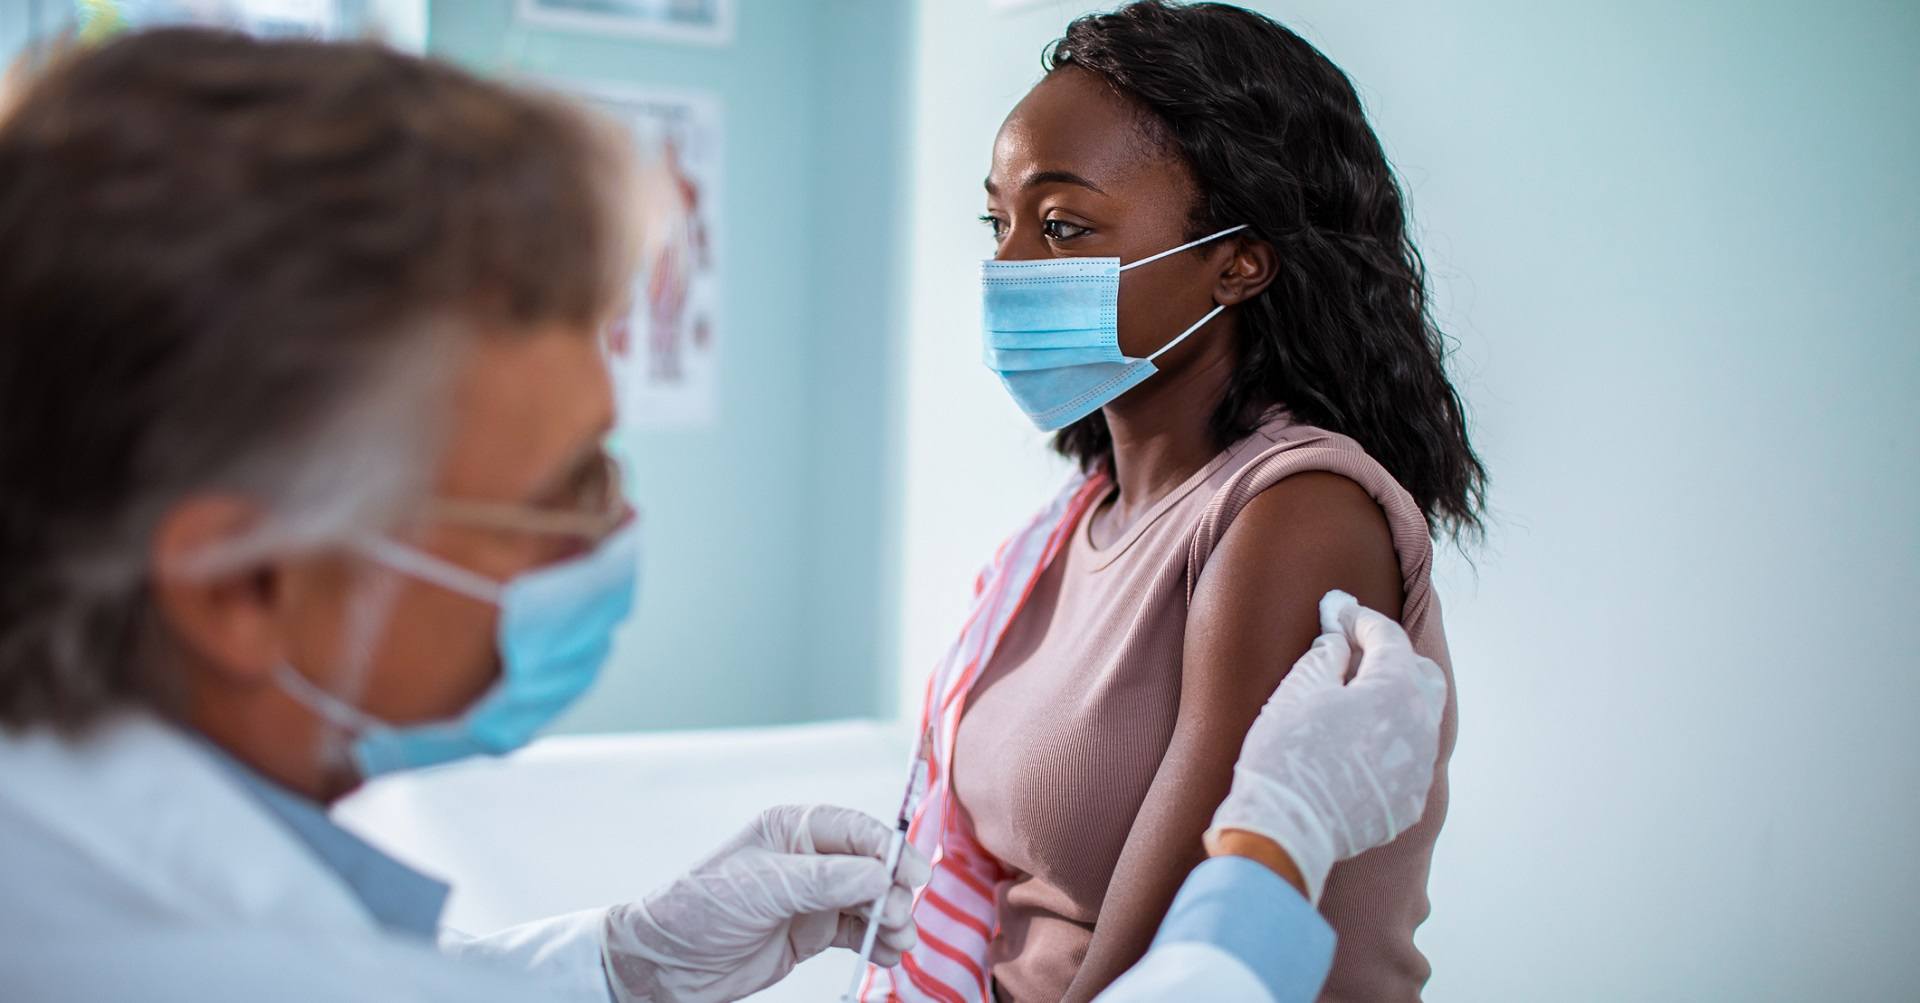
302, 401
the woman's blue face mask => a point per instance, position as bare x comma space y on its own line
1051, 328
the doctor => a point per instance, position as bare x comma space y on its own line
301, 404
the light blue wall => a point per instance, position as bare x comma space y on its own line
763, 598
22, 21
856, 257
1679, 244
767, 594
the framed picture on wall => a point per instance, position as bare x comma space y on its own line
296, 18
704, 22
665, 351
400, 23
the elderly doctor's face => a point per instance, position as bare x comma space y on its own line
525, 417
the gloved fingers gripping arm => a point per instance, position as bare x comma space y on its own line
790, 885
1333, 768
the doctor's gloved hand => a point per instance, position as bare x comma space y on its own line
1332, 768
797, 881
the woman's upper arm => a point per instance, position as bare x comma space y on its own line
1255, 611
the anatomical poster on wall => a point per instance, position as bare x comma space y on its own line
666, 350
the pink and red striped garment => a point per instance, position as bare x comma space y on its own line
955, 911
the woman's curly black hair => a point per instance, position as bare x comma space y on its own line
1275, 138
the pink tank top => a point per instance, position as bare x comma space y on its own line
1067, 725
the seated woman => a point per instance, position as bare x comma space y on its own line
1298, 434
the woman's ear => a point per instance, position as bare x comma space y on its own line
1247, 273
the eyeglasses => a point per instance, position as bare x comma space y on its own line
590, 506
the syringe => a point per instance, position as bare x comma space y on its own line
916, 786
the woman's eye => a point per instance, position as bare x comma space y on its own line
995, 224
1060, 229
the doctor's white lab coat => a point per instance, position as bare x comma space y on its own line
134, 867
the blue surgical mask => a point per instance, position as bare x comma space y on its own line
555, 632
1052, 332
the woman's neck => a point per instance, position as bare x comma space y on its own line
1161, 433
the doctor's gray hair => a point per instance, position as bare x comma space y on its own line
243, 268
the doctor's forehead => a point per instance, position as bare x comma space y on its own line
1076, 128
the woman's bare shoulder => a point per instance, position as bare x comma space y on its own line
1257, 597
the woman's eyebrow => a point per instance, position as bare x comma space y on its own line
1050, 178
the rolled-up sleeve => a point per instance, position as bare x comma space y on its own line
1235, 932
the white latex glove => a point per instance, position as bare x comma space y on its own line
797, 881
1330, 771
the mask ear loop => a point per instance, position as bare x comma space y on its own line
367, 614
1151, 258
1215, 312
335, 711
338, 711
428, 568
1197, 325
